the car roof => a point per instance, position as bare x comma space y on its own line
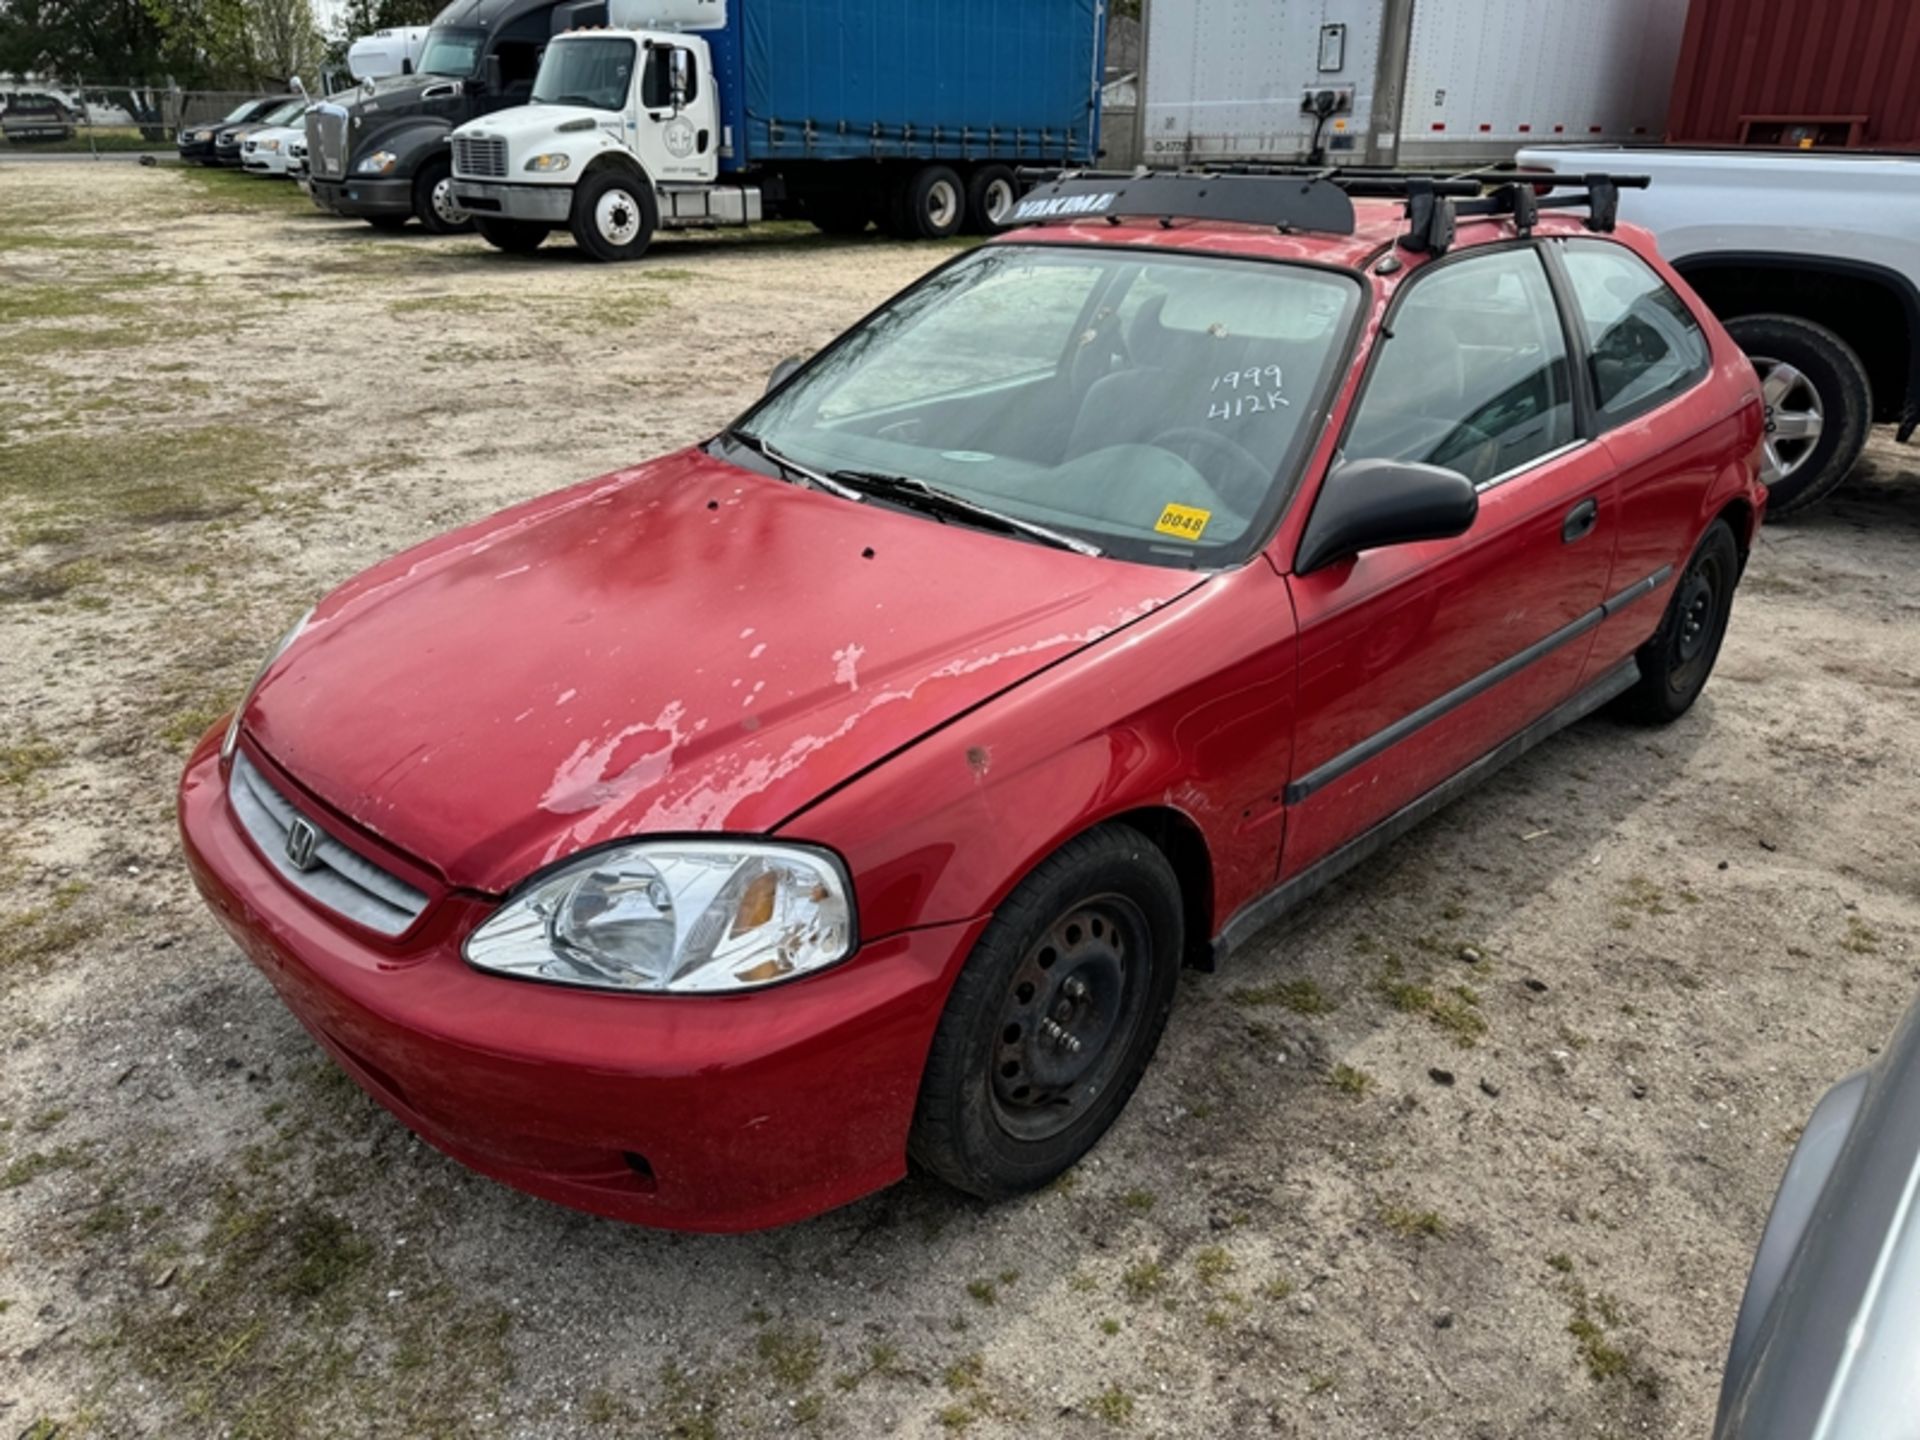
1377, 224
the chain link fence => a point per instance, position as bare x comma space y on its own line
107, 120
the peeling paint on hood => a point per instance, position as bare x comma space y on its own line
683, 647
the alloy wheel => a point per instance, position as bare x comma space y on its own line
1795, 418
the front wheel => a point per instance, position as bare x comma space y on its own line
614, 215
433, 202
516, 237
1675, 663
1054, 1017
1819, 402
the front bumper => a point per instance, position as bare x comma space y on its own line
364, 198
697, 1113
264, 163
546, 204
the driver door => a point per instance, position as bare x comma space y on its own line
1417, 659
673, 128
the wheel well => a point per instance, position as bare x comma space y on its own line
1874, 315
1739, 517
616, 160
1180, 840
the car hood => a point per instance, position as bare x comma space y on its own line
527, 122
682, 647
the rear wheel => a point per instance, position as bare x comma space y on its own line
433, 202
614, 215
1053, 1018
929, 204
516, 237
990, 197
1819, 402
1675, 663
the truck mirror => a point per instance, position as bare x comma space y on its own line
680, 76
783, 372
406, 66
491, 76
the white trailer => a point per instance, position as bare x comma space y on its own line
1401, 82
384, 53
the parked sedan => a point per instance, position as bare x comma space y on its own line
269, 149
197, 142
1828, 1338
229, 141
696, 844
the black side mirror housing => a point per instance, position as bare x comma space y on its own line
491, 75
783, 372
1366, 504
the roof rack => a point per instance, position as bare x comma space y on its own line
1296, 197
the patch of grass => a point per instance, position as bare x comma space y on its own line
882, 1358
984, 1291
1413, 1224
1141, 1200
1144, 1280
1349, 1081
964, 1373
1455, 1010
1212, 1264
1603, 1360
1109, 1326
1277, 1289
1860, 938
1321, 1384
1560, 1261
1301, 996
1113, 1405
236, 192
32, 939
24, 1169
792, 1357
21, 760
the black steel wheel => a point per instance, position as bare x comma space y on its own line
1675, 663
1054, 1017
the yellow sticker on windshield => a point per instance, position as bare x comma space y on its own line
1183, 520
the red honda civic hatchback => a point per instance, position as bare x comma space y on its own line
696, 845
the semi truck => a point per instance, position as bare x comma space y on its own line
1419, 83
846, 113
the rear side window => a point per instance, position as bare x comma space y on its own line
1474, 376
1645, 345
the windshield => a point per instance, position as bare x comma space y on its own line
452, 52
240, 112
585, 72
286, 114
1155, 405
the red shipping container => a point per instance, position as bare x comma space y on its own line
1786, 72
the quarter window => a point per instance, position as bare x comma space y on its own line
1474, 375
1645, 345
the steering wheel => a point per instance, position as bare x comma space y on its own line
1240, 468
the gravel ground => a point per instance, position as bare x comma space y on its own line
1477, 1144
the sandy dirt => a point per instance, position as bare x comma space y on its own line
1497, 1171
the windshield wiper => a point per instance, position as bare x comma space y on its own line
917, 494
791, 466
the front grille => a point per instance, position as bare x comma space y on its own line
343, 880
327, 141
479, 159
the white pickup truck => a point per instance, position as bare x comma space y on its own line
1813, 262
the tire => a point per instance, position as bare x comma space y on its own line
1088, 945
433, 203
1810, 377
516, 237
1675, 663
840, 214
991, 195
389, 223
614, 215
930, 204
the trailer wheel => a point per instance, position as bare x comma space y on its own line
990, 198
929, 205
516, 237
433, 202
614, 215
1818, 398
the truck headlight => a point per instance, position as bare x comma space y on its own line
548, 164
232, 737
675, 916
380, 162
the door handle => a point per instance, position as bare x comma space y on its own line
1580, 521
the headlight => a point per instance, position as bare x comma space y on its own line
548, 164
380, 162
269, 144
232, 737
687, 916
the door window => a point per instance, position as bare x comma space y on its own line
656, 82
1474, 376
1645, 345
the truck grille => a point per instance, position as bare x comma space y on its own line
478, 158
327, 141
341, 879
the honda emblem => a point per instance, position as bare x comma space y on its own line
302, 841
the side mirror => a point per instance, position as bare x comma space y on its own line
783, 372
491, 75
679, 76
406, 66
1369, 503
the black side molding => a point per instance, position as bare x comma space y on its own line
1383, 740
1258, 914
